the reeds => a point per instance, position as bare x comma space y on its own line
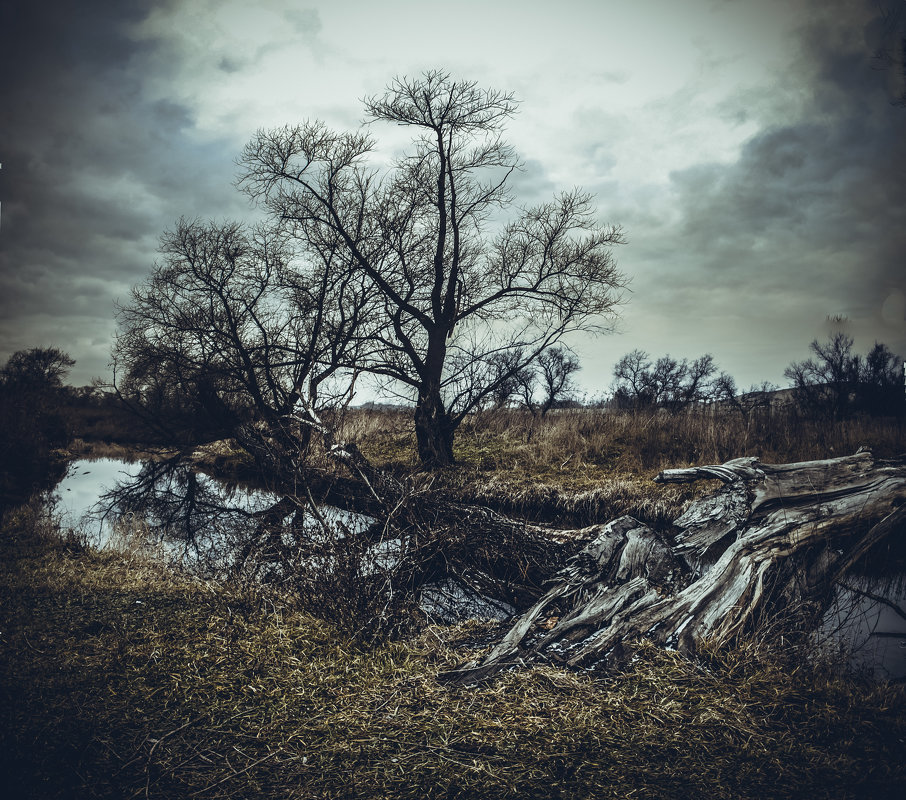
594, 440
581, 466
645, 441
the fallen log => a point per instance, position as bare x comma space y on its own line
771, 533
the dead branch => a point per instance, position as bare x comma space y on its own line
771, 532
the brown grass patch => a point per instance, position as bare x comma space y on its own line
121, 678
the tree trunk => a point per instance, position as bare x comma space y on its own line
783, 533
433, 429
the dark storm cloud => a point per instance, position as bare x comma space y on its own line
92, 171
813, 209
808, 216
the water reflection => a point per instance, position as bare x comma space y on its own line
216, 529
865, 620
193, 516
79, 491
213, 528
225, 530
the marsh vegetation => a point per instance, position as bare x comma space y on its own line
122, 677
286, 577
125, 673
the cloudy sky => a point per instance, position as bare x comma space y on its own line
751, 151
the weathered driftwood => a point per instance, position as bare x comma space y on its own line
770, 532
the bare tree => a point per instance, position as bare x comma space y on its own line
667, 382
632, 378
825, 382
556, 368
837, 381
548, 382
235, 326
506, 378
420, 234
881, 381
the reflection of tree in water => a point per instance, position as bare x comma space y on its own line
209, 523
331, 562
866, 624
366, 572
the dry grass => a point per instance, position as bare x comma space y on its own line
587, 465
94, 450
121, 678
578, 466
595, 440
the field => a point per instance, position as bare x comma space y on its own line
595, 442
589, 465
123, 678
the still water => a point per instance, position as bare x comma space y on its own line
872, 630
83, 505
88, 481
869, 629
79, 491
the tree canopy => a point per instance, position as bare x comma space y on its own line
456, 289
33, 424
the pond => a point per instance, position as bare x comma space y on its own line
222, 519
79, 491
862, 620
84, 491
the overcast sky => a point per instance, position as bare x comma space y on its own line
750, 150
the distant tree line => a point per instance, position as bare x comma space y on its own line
838, 383
835, 382
33, 422
40, 415
640, 382
539, 386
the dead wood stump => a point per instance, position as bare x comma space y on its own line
770, 532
